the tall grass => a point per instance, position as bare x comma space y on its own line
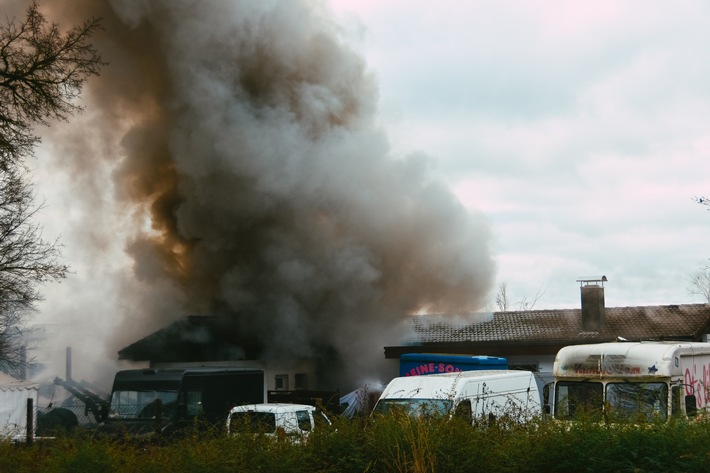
395, 443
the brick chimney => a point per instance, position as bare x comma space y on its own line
592, 291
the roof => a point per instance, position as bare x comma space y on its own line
276, 407
447, 385
630, 359
552, 328
9, 383
194, 338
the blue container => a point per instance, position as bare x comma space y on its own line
417, 364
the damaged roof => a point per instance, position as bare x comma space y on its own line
516, 332
194, 338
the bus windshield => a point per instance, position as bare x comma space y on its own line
621, 401
637, 401
142, 404
575, 399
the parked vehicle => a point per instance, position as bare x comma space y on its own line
474, 395
295, 421
164, 400
417, 364
631, 380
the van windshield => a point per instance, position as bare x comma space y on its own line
415, 407
142, 404
252, 422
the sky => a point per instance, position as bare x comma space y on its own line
578, 129
574, 132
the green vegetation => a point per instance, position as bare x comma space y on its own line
388, 444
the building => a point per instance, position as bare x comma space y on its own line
201, 340
531, 339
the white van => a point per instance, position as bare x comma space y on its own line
471, 394
293, 420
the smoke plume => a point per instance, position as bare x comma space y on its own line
229, 163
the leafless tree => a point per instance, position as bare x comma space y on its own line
14, 357
503, 303
42, 71
527, 303
700, 280
700, 283
25, 257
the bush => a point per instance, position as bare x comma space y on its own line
393, 443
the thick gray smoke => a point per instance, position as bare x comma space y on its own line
232, 149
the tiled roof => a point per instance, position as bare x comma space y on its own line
686, 321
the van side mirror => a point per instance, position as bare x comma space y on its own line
691, 405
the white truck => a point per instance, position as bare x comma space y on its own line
474, 395
631, 380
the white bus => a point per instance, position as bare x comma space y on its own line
631, 380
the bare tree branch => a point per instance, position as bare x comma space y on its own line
502, 303
42, 71
529, 304
700, 283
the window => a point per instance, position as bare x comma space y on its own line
635, 401
301, 381
676, 396
142, 404
573, 399
304, 420
415, 407
194, 403
281, 382
252, 422
463, 410
534, 367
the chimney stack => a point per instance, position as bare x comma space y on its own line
592, 291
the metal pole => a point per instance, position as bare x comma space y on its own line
30, 421
68, 364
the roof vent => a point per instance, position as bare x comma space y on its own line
592, 291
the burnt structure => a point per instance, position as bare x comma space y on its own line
196, 338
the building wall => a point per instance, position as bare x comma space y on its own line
279, 374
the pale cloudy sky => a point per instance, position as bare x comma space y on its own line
580, 129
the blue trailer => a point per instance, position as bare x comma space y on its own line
417, 364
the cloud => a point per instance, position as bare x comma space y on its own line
578, 128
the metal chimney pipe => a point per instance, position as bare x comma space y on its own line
68, 366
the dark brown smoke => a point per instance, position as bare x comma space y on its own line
238, 140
